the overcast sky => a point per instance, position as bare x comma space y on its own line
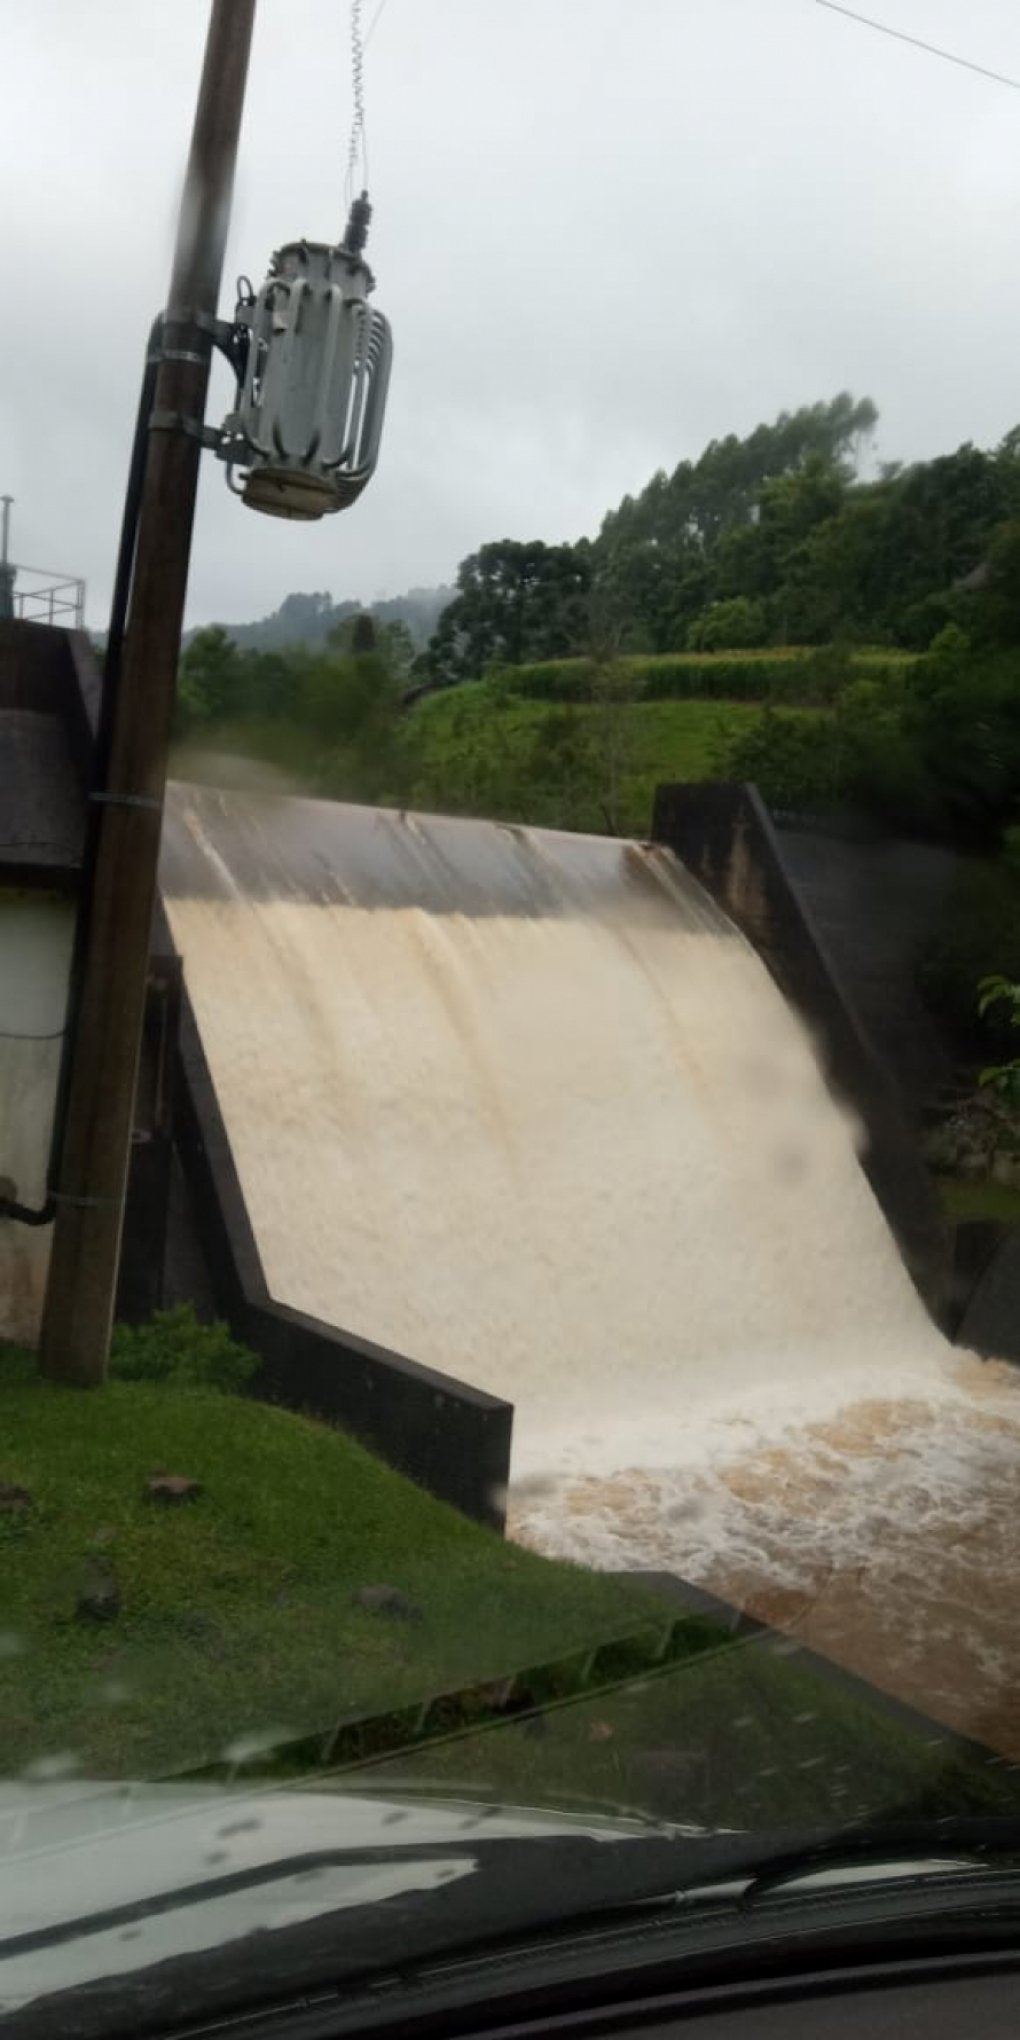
606, 231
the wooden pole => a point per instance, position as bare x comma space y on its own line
103, 1063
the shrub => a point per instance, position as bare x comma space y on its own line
729, 626
793, 760
728, 676
998, 993
799, 676
962, 715
176, 1348
982, 922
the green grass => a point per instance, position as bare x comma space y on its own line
237, 1624
237, 1616
481, 751
965, 1199
683, 739
743, 1735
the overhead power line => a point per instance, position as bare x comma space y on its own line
374, 23
915, 42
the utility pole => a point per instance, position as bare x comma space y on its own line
6, 570
103, 1061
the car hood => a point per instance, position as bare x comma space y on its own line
98, 1880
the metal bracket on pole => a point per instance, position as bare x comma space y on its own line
175, 421
226, 335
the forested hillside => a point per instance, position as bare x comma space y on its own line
309, 619
768, 612
776, 539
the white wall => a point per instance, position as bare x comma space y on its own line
36, 931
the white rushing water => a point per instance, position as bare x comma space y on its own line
525, 1107
566, 1142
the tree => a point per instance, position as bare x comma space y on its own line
352, 702
722, 526
732, 626
995, 602
392, 638
210, 681
515, 602
962, 719
835, 582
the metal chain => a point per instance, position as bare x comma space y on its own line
358, 144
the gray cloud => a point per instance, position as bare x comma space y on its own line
604, 234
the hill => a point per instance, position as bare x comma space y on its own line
308, 619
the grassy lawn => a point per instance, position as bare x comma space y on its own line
237, 1626
479, 752
236, 1616
965, 1199
682, 739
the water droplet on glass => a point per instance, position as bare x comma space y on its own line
46, 1770
245, 1748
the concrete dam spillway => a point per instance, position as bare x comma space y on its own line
527, 1108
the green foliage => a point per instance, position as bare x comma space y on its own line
961, 719
514, 602
480, 749
889, 603
210, 677
176, 1348
996, 992
237, 1611
855, 756
767, 540
331, 716
723, 526
393, 641
982, 920
311, 619
473, 750
729, 626
802, 676
611, 734
794, 762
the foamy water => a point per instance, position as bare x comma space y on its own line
527, 1108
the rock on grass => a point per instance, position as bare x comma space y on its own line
387, 1601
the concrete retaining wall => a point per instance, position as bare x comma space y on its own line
724, 835
875, 901
991, 1321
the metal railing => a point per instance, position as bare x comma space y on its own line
41, 596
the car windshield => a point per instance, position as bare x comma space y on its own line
509, 1071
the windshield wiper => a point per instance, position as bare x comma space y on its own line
520, 1887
